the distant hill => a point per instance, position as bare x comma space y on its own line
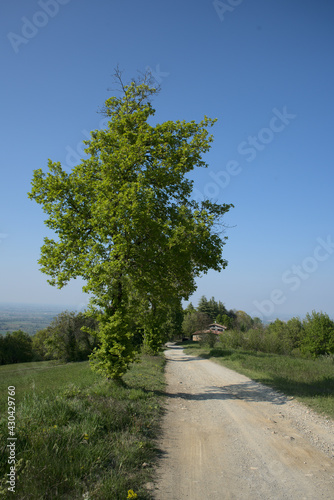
27, 317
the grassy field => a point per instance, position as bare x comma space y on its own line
309, 381
81, 436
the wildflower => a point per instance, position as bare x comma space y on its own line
132, 494
86, 436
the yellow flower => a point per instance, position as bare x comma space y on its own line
86, 436
132, 494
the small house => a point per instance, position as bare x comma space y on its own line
213, 328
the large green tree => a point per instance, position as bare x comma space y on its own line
125, 221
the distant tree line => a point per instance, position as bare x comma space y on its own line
16, 347
313, 336
74, 336
66, 339
211, 311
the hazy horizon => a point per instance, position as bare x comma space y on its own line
57, 308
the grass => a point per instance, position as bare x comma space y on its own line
309, 381
79, 435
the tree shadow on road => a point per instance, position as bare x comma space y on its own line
245, 391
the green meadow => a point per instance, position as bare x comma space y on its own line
80, 435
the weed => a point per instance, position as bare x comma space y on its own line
81, 436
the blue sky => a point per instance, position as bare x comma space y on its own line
263, 68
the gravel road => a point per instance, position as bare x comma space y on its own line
227, 437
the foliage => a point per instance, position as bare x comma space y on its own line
225, 320
172, 327
283, 338
159, 321
208, 338
15, 347
232, 338
277, 337
39, 342
67, 338
116, 351
295, 332
211, 307
194, 322
242, 321
189, 309
318, 335
126, 222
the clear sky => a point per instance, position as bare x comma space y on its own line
264, 68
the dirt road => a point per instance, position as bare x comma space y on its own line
227, 437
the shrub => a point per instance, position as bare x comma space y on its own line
209, 338
318, 337
232, 339
255, 339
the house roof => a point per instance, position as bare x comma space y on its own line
211, 329
217, 325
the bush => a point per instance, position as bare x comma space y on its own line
209, 338
232, 339
277, 338
318, 338
255, 339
